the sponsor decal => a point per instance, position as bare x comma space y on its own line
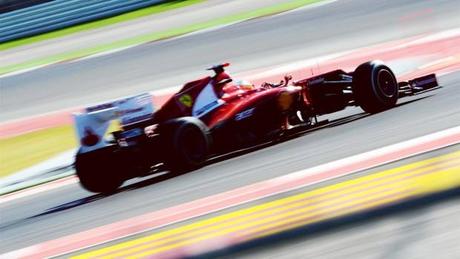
186, 100
92, 125
90, 138
207, 107
244, 114
91, 128
129, 110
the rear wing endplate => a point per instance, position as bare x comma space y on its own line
91, 125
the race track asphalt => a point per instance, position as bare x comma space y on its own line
335, 27
338, 26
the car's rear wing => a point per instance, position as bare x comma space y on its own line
91, 125
418, 85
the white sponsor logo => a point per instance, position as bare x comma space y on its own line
244, 114
130, 110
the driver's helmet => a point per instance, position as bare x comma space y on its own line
244, 85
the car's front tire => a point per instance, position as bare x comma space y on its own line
375, 87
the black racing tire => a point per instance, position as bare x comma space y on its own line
375, 87
99, 171
186, 143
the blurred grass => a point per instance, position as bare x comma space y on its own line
23, 151
163, 7
159, 35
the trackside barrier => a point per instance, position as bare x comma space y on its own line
11, 5
59, 14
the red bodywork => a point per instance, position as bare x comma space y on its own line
234, 100
214, 115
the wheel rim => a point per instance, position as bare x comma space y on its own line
387, 83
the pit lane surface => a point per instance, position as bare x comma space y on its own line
70, 209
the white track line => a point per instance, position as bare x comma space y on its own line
22, 71
306, 7
436, 62
447, 34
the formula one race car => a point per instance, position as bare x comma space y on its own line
215, 115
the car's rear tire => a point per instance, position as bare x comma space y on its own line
99, 171
375, 87
186, 142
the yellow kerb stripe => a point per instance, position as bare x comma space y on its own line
381, 188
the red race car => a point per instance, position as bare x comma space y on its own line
215, 115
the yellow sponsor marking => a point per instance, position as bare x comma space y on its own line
381, 188
186, 100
